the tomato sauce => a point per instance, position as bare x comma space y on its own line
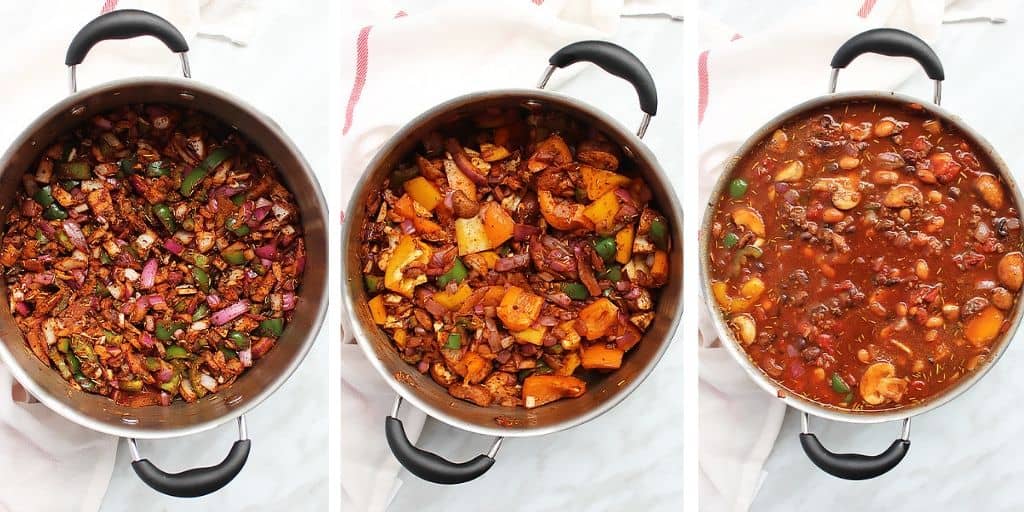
866, 255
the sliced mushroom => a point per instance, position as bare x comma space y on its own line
844, 191
749, 218
745, 327
1011, 270
779, 142
880, 384
792, 170
903, 195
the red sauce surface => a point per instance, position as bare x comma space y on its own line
866, 255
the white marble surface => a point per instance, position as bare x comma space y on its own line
283, 74
632, 457
964, 456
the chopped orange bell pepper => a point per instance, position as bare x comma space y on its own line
471, 236
497, 222
602, 212
600, 357
597, 319
544, 389
423, 192
408, 251
452, 300
377, 311
599, 182
519, 309
659, 268
531, 335
624, 245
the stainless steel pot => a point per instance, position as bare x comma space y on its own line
889, 42
100, 413
602, 393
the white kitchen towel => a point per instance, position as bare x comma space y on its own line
402, 60
744, 80
48, 463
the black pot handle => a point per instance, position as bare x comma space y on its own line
893, 43
615, 60
195, 482
124, 24
430, 466
854, 466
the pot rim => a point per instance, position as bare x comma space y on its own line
188, 86
725, 334
641, 154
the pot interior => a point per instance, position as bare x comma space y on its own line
726, 334
603, 391
99, 412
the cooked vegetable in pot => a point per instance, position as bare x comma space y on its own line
511, 255
154, 254
873, 260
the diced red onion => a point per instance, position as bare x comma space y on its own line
174, 246
503, 356
258, 215
212, 300
74, 232
245, 356
146, 340
148, 274
21, 308
623, 286
560, 298
634, 293
300, 263
512, 262
448, 199
45, 227
796, 370
422, 366
547, 321
230, 313
288, 301
265, 262
407, 227
523, 232
623, 195
155, 299
267, 251
165, 399
43, 278
164, 374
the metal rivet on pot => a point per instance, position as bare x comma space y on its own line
130, 420
187, 95
628, 152
234, 400
533, 104
78, 110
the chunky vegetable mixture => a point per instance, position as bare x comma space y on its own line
867, 255
511, 254
154, 254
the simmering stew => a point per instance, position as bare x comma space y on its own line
511, 254
866, 255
